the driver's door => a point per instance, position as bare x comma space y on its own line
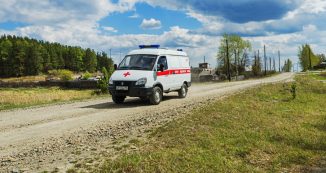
163, 76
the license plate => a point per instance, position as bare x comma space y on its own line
124, 88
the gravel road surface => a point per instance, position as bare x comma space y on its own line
55, 137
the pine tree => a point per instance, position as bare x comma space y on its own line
90, 61
5, 50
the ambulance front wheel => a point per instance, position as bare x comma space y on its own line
118, 99
156, 96
183, 91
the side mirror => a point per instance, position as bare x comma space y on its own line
161, 67
115, 66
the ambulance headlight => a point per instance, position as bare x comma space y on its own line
110, 81
141, 81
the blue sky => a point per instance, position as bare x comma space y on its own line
195, 26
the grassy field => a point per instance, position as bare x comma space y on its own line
319, 76
24, 79
260, 130
23, 97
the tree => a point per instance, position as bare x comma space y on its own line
16, 62
287, 65
33, 60
103, 83
5, 50
237, 53
24, 56
90, 61
307, 57
256, 66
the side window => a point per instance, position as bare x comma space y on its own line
162, 60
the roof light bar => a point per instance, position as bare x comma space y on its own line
149, 46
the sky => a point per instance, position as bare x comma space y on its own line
193, 25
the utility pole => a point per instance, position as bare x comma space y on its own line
309, 58
293, 68
274, 64
255, 59
236, 64
258, 58
270, 64
228, 60
265, 60
279, 62
297, 67
110, 52
204, 59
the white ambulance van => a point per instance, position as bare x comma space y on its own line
149, 72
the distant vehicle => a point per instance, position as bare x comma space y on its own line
203, 73
149, 72
322, 65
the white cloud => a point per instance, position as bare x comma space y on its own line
74, 24
151, 24
109, 29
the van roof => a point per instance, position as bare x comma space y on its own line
152, 51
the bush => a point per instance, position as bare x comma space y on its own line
86, 75
293, 90
64, 75
103, 83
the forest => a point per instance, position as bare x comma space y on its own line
23, 56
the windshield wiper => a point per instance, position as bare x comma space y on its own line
124, 67
137, 67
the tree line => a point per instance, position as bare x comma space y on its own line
233, 58
22, 56
308, 59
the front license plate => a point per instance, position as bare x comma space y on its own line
124, 88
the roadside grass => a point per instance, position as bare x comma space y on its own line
318, 76
24, 79
260, 130
11, 98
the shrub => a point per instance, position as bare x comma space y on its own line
103, 83
64, 75
293, 90
86, 75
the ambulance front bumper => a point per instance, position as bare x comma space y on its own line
129, 89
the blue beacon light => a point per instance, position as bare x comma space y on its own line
149, 46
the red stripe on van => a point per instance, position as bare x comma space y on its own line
172, 72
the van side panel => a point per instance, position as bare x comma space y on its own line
180, 70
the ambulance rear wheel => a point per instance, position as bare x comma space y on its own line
118, 99
156, 96
183, 91
144, 99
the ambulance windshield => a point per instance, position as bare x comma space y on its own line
138, 62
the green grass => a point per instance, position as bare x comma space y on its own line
11, 98
260, 130
318, 76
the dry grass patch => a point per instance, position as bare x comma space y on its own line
23, 97
25, 79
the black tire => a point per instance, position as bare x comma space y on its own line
183, 91
144, 99
118, 99
156, 96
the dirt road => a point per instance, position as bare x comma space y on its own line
48, 137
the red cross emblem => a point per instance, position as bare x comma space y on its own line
126, 74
